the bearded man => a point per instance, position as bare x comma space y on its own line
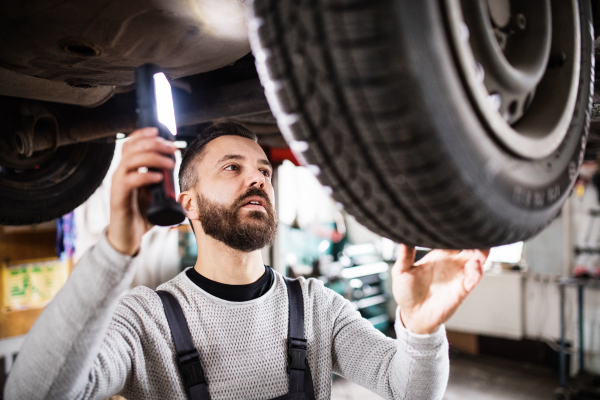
253, 334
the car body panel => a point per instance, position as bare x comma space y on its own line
100, 42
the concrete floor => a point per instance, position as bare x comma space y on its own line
477, 378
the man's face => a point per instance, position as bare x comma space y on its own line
235, 194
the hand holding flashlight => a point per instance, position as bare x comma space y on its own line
129, 198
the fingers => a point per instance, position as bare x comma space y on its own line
473, 267
484, 252
138, 179
405, 259
473, 273
135, 161
147, 140
143, 132
480, 255
144, 148
437, 254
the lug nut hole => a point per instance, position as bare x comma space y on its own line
512, 107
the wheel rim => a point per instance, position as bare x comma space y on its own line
520, 62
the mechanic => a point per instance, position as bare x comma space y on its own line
91, 343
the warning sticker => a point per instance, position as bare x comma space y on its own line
32, 284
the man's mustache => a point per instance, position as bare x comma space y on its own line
253, 191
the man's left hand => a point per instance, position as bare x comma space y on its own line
429, 291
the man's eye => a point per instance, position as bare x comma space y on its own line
266, 173
232, 167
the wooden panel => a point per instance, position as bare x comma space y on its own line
466, 342
28, 245
17, 322
24, 244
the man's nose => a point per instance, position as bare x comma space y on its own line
257, 178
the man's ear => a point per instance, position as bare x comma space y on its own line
188, 202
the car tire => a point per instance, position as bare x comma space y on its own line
66, 178
377, 97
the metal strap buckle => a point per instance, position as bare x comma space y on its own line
297, 354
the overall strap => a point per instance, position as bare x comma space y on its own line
188, 359
298, 368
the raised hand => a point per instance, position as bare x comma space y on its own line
127, 202
429, 291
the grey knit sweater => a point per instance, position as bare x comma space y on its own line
90, 343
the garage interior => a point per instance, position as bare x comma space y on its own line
505, 339
529, 330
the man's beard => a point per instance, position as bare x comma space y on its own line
247, 233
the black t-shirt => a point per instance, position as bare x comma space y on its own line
234, 292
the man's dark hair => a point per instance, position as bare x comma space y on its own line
188, 177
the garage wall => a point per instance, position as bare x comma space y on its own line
549, 256
545, 253
542, 318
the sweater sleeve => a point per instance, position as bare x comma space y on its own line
60, 357
411, 367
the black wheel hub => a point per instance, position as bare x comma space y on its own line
43, 171
520, 62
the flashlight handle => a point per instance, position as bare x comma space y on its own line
164, 210
145, 96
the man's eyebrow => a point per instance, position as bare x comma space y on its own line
265, 162
240, 157
230, 157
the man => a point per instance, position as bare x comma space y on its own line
89, 344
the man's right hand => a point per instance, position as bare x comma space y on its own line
127, 206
